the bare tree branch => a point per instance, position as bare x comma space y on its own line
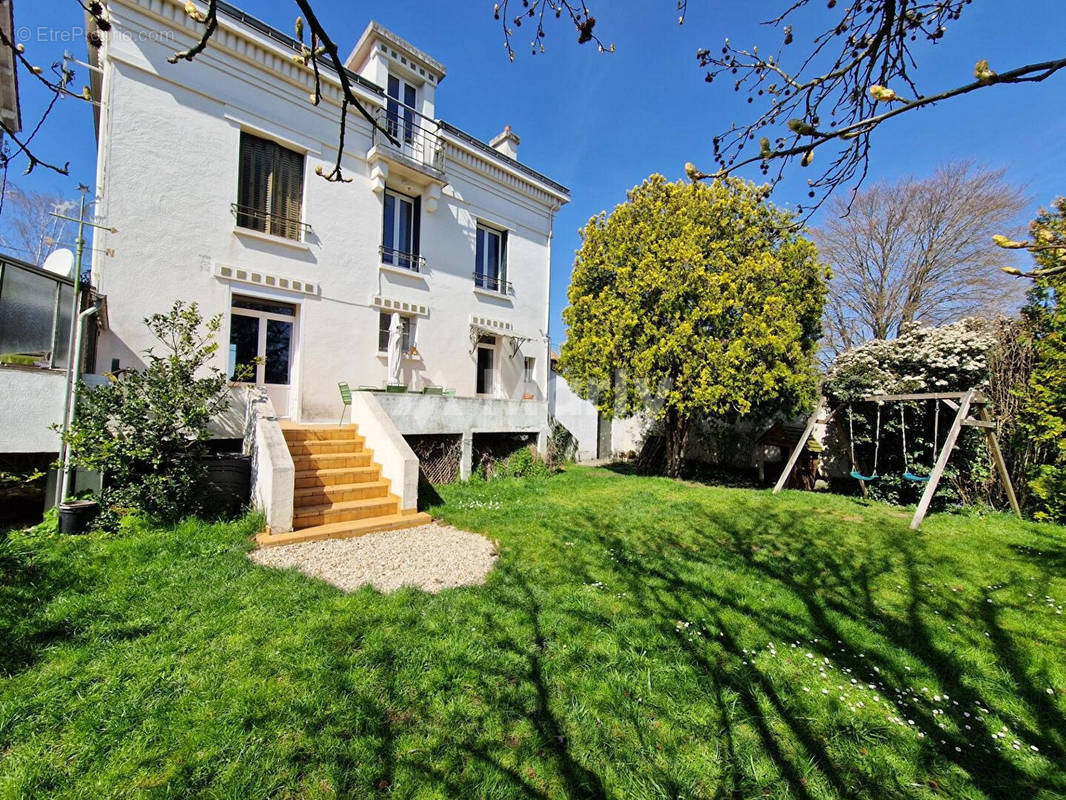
59, 88
858, 72
209, 19
577, 12
917, 251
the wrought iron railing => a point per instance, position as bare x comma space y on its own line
402, 259
414, 136
257, 219
492, 284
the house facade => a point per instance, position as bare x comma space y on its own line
210, 171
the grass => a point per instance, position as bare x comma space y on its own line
640, 638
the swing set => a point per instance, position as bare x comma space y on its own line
962, 403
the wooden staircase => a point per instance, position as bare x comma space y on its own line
339, 490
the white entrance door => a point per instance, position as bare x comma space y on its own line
262, 346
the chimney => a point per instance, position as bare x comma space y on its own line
506, 142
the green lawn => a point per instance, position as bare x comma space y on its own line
640, 638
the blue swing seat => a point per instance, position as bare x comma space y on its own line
910, 476
860, 477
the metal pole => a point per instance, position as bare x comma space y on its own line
68, 398
69, 418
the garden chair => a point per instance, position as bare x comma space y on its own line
346, 398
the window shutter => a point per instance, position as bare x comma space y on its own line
252, 183
287, 193
416, 227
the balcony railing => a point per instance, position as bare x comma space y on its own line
414, 136
401, 259
275, 224
492, 284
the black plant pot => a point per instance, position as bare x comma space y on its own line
227, 483
77, 515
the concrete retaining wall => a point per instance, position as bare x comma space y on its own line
423, 414
31, 401
399, 464
273, 473
576, 415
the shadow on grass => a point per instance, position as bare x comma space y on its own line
26, 588
835, 589
416, 694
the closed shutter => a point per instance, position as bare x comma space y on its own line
287, 193
253, 195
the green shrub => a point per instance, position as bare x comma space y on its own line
562, 445
146, 429
524, 463
1045, 408
951, 358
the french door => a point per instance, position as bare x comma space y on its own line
400, 109
262, 342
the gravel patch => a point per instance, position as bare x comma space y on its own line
430, 557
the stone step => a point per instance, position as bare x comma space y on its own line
344, 530
339, 493
303, 433
333, 477
310, 447
332, 460
347, 511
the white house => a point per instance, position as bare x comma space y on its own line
208, 171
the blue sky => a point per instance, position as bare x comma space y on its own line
601, 123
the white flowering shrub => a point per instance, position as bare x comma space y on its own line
951, 358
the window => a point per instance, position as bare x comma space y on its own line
408, 340
400, 108
400, 230
530, 364
490, 260
270, 188
261, 340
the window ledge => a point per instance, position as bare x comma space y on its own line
251, 233
492, 294
407, 273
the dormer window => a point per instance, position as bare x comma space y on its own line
400, 110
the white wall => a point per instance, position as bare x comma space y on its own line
576, 415
628, 434
168, 174
32, 401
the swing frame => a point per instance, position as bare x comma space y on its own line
961, 402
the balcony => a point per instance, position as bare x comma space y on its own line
415, 143
402, 260
256, 219
490, 283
